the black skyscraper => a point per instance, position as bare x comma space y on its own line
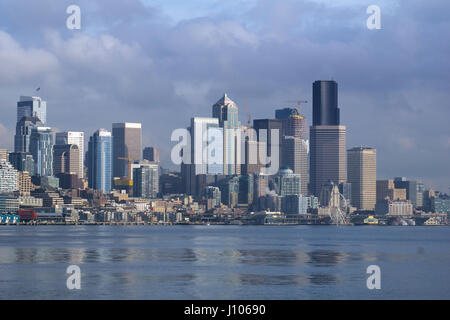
327, 145
325, 103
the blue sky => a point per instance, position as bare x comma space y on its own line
161, 62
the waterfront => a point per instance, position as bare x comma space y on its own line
224, 262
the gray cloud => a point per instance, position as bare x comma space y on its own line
131, 62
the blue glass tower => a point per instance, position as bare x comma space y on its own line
100, 160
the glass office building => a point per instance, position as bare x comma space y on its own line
100, 160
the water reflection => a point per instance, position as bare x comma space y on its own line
322, 279
326, 258
209, 263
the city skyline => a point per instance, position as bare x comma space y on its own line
394, 77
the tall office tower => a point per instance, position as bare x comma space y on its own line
22, 161
295, 147
420, 194
295, 125
269, 125
66, 159
99, 160
76, 138
197, 164
24, 128
362, 174
246, 189
261, 185
295, 156
146, 180
8, 177
226, 111
251, 162
325, 103
4, 154
32, 107
152, 154
285, 113
127, 141
410, 186
328, 151
41, 148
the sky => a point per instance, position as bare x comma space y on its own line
160, 62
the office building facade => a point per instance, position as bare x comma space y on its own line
227, 113
9, 181
32, 107
66, 159
41, 148
152, 154
74, 138
146, 180
362, 174
127, 141
327, 138
99, 160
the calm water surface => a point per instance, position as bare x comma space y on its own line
224, 262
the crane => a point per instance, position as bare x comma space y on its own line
248, 115
298, 102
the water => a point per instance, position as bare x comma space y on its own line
224, 262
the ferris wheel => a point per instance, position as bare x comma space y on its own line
338, 211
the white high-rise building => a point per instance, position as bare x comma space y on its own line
9, 181
227, 112
76, 138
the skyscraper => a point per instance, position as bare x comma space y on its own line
362, 174
127, 141
284, 113
24, 128
41, 148
99, 160
146, 180
226, 111
32, 107
66, 159
295, 156
22, 161
410, 186
198, 165
8, 177
152, 154
325, 103
76, 138
328, 151
270, 124
295, 147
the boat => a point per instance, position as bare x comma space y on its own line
371, 220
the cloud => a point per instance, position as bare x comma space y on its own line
137, 61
